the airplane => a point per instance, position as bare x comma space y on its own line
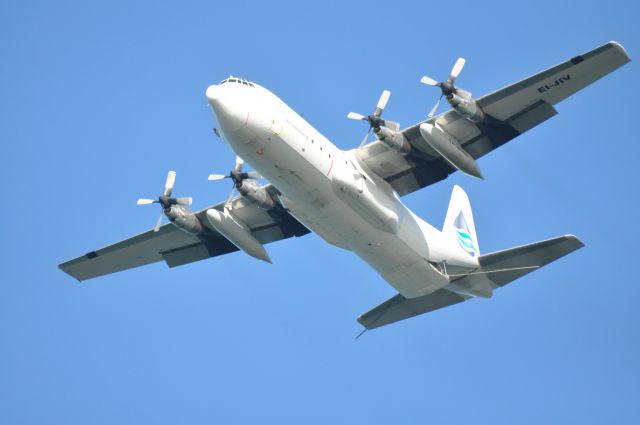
351, 198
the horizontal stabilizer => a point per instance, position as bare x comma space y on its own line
400, 308
503, 267
499, 268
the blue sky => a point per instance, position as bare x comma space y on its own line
100, 99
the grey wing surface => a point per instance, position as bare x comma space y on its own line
176, 247
399, 308
500, 268
510, 112
503, 267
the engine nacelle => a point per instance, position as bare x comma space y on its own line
393, 139
184, 219
468, 108
258, 194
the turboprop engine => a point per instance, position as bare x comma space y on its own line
393, 139
248, 187
176, 209
459, 99
386, 131
252, 190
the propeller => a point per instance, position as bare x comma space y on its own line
374, 119
237, 176
165, 200
447, 87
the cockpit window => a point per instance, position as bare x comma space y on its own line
237, 80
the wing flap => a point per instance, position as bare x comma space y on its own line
532, 116
210, 247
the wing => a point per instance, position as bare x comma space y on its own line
176, 247
511, 111
499, 268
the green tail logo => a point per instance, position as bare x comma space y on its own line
463, 236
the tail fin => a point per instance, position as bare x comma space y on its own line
459, 227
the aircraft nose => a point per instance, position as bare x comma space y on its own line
213, 93
227, 107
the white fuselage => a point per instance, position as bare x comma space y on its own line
331, 192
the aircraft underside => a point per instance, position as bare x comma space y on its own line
351, 199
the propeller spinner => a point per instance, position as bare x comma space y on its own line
165, 200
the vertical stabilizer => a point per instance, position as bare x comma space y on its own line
459, 227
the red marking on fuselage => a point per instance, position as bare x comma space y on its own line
331, 166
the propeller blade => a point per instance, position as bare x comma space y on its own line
435, 108
463, 94
158, 223
384, 99
429, 81
382, 103
216, 177
228, 204
366, 136
168, 185
254, 175
457, 68
239, 163
184, 201
143, 201
356, 116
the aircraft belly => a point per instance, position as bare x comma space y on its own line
393, 256
302, 172
400, 264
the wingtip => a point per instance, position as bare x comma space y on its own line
618, 46
61, 267
573, 238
